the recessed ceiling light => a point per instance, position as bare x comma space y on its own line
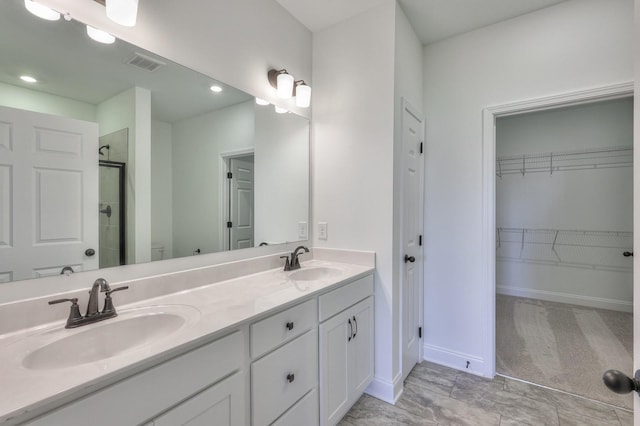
261, 101
41, 11
28, 79
100, 36
216, 88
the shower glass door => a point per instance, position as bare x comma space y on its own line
112, 208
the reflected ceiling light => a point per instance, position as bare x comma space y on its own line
281, 110
41, 11
262, 102
28, 79
282, 81
123, 12
100, 36
216, 89
302, 92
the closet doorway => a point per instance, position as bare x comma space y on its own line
564, 243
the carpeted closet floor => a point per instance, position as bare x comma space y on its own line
563, 346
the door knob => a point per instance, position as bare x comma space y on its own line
89, 252
408, 258
627, 253
619, 382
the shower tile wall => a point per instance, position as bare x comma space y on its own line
109, 254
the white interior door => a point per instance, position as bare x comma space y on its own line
48, 194
241, 203
411, 271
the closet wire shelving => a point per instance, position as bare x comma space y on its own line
550, 162
561, 247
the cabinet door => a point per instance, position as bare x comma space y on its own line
222, 405
361, 348
335, 336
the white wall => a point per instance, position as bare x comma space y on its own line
31, 100
281, 191
592, 199
162, 186
197, 145
554, 50
352, 151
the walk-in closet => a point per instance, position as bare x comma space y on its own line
564, 222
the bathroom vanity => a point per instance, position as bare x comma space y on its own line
269, 348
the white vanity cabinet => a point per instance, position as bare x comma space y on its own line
346, 348
203, 386
284, 377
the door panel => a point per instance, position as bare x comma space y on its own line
334, 360
242, 203
361, 348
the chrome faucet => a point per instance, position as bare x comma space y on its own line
294, 263
92, 315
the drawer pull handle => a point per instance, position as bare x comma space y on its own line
290, 377
356, 325
289, 325
350, 330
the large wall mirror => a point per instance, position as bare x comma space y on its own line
117, 156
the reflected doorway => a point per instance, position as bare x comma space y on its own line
239, 202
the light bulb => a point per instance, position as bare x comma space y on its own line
262, 101
123, 12
281, 110
303, 95
285, 85
100, 36
41, 11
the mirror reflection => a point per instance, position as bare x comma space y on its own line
115, 156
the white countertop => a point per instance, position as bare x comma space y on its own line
214, 310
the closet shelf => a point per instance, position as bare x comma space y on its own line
550, 162
562, 247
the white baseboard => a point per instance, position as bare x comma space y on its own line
574, 299
460, 361
386, 390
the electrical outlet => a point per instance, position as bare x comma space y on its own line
322, 230
303, 230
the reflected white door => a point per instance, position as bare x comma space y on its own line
48, 194
241, 203
411, 230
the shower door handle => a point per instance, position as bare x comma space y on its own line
619, 382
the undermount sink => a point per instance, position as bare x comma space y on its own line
313, 273
130, 329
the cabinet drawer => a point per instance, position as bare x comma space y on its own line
281, 378
340, 299
305, 412
282, 327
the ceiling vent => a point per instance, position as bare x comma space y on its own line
144, 62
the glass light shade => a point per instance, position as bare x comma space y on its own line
285, 85
262, 101
41, 11
303, 96
123, 12
281, 110
99, 35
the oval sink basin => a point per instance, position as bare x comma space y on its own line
95, 342
312, 274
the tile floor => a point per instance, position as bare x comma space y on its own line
436, 395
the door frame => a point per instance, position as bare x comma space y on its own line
417, 113
489, 116
223, 191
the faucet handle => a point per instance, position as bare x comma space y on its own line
74, 313
287, 264
108, 302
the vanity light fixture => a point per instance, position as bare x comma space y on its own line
100, 36
262, 102
123, 12
41, 11
216, 89
282, 81
302, 92
28, 79
281, 110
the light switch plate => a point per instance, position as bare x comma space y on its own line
303, 230
322, 230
